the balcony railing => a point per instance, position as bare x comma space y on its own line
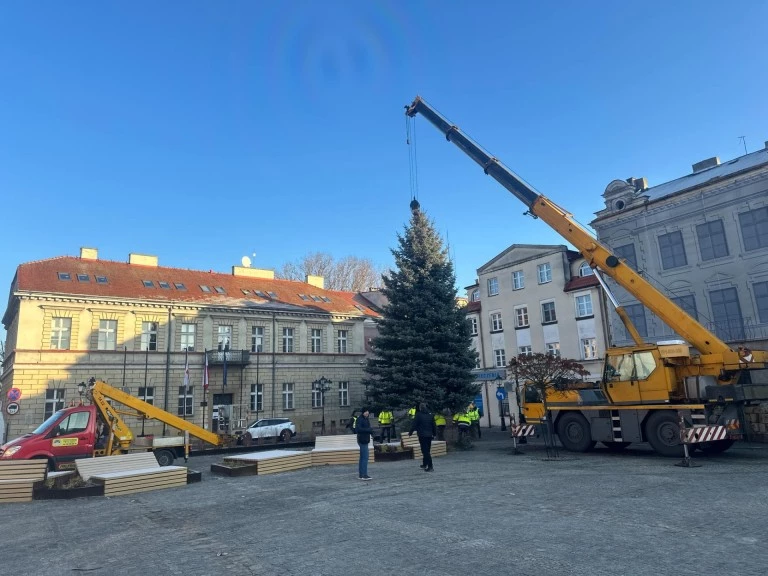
234, 357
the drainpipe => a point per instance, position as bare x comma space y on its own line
167, 367
274, 360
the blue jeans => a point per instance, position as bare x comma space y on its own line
362, 467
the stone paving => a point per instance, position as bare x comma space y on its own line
483, 511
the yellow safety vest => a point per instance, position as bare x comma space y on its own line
412, 413
385, 417
474, 415
462, 419
439, 420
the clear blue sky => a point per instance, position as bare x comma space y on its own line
204, 131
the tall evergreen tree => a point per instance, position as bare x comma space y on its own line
422, 353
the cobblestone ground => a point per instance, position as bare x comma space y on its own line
484, 511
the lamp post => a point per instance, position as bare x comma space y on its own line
322, 385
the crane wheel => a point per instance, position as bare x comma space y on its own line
164, 457
574, 432
663, 433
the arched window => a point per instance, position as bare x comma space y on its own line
476, 295
585, 269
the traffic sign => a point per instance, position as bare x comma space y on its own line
14, 394
12, 408
501, 394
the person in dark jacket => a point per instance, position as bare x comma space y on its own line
364, 431
424, 426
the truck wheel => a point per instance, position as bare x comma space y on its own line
164, 457
716, 447
285, 435
573, 430
663, 433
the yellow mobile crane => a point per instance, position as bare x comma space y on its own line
645, 388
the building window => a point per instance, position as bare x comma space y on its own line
257, 339
584, 305
472, 325
726, 314
317, 399
343, 394
341, 342
204, 288
147, 394
553, 349
54, 400
107, 335
525, 350
148, 283
521, 317
518, 280
636, 313
761, 299
83, 278
288, 396
316, 340
545, 273
164, 285
224, 340
712, 242
548, 314
627, 253
476, 295
493, 286
501, 361
754, 228
588, 349
672, 250
187, 337
186, 401
257, 397
496, 325
287, 339
687, 303
585, 270
101, 279
149, 336
65, 276
179, 286
61, 328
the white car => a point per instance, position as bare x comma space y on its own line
278, 428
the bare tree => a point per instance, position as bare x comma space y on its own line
351, 274
549, 375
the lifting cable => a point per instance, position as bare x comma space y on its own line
413, 167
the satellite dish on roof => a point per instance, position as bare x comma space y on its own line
246, 261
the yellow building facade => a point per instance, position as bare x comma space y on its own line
143, 327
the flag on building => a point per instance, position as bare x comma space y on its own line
186, 372
205, 372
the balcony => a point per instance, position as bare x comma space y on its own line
233, 357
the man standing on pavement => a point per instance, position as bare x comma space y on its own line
364, 431
474, 415
386, 419
424, 426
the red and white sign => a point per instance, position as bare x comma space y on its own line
14, 395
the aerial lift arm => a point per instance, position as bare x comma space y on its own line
597, 254
101, 391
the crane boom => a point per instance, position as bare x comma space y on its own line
597, 254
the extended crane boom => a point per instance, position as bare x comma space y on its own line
714, 351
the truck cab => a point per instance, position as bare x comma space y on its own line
66, 435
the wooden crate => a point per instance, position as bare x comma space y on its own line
273, 461
439, 447
341, 449
88, 467
141, 480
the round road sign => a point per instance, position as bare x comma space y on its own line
12, 408
501, 393
14, 394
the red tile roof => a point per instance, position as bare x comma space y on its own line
473, 306
581, 282
127, 281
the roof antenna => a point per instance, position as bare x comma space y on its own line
744, 141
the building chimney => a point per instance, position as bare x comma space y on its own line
88, 253
704, 164
316, 281
253, 272
142, 260
639, 184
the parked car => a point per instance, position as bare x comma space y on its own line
277, 428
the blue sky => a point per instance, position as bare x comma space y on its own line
204, 131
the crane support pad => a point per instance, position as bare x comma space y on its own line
704, 434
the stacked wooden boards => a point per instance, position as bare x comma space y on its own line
341, 449
438, 446
130, 473
273, 461
18, 479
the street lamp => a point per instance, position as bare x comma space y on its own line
322, 385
